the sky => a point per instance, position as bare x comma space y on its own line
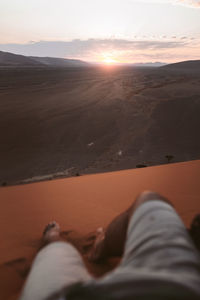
109, 31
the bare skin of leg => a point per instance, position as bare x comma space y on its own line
111, 242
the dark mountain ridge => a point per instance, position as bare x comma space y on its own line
8, 59
184, 65
59, 62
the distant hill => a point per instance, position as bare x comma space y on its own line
193, 65
10, 59
150, 64
59, 62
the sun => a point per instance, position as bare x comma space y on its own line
108, 58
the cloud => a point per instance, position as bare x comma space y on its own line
191, 3
82, 48
120, 50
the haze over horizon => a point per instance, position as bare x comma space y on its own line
113, 31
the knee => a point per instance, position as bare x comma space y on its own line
149, 196
145, 197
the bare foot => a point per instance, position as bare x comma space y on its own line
98, 249
51, 232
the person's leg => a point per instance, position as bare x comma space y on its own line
159, 254
194, 231
57, 265
156, 224
111, 242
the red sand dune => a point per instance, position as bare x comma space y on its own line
82, 204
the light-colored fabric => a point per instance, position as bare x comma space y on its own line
159, 258
158, 250
56, 266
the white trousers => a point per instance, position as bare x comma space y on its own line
159, 256
55, 266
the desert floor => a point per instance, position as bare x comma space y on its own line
66, 122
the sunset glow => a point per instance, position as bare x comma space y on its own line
108, 58
135, 31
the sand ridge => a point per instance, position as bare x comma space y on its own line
80, 205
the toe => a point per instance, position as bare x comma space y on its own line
51, 225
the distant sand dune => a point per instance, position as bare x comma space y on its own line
57, 119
